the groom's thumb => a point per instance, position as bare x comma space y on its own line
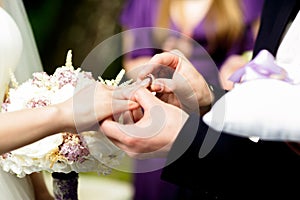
145, 98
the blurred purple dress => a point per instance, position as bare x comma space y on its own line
142, 13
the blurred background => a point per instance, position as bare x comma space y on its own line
79, 25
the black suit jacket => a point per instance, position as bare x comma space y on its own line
275, 16
237, 168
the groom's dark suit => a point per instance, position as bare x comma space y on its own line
237, 168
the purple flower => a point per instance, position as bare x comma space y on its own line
66, 77
37, 103
4, 106
74, 148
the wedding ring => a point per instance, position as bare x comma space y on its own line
151, 77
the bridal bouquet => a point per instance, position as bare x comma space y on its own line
63, 152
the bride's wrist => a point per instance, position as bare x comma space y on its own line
63, 118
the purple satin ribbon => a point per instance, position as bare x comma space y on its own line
263, 66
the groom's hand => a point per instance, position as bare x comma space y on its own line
151, 136
177, 81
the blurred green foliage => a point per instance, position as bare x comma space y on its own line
79, 25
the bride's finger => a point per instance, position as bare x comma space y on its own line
130, 117
127, 117
137, 114
127, 92
119, 106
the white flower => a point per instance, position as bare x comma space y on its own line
58, 153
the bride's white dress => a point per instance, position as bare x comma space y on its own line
14, 188
14, 38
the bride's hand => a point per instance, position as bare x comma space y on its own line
96, 102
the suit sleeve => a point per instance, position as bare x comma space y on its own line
232, 162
